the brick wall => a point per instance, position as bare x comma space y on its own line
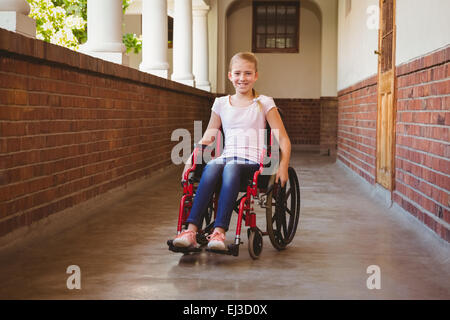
422, 173
423, 142
73, 127
357, 114
301, 118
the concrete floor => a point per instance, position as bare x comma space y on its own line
121, 250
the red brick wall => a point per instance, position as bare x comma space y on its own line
357, 114
422, 175
301, 118
423, 142
73, 127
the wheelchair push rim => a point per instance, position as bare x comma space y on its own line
283, 211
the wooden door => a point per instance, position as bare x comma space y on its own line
386, 96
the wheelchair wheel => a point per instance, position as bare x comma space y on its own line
283, 211
255, 243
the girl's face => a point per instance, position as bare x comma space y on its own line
243, 76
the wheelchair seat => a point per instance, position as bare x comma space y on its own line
263, 179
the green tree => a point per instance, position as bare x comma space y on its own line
63, 22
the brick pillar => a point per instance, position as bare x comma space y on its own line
328, 125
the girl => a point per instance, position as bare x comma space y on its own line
237, 114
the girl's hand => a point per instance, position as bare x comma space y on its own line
282, 176
186, 168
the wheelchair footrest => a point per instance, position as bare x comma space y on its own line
182, 249
233, 250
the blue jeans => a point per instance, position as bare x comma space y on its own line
231, 170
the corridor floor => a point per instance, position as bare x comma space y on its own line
122, 253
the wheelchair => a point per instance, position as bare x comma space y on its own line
282, 205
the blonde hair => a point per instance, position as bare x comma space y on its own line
247, 56
250, 57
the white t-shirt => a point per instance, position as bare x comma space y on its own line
244, 127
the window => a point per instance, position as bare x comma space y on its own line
170, 31
276, 26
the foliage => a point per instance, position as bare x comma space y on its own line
132, 42
64, 22
55, 25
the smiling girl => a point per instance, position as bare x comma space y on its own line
238, 114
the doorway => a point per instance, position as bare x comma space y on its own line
386, 110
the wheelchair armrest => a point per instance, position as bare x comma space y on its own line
203, 147
200, 145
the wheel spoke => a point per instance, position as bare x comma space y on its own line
288, 211
283, 226
288, 194
278, 220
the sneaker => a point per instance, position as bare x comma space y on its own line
216, 241
186, 239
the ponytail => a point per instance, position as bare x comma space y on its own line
256, 98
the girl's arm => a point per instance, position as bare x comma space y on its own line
275, 122
208, 137
211, 131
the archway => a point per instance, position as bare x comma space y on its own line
293, 75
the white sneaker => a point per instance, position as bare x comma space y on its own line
217, 241
186, 239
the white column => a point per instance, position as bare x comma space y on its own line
104, 31
14, 17
182, 42
154, 38
200, 46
